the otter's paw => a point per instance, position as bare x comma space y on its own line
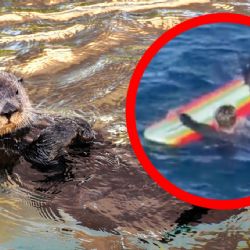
86, 134
185, 118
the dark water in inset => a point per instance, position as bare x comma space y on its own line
192, 64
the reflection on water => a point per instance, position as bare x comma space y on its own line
80, 56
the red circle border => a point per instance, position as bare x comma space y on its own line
131, 115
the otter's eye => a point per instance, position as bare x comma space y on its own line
17, 92
20, 80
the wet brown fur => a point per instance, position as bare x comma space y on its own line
12, 91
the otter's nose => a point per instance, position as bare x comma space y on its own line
8, 110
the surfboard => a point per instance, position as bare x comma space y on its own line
171, 131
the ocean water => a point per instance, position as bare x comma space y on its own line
194, 63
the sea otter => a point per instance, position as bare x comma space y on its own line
76, 171
41, 139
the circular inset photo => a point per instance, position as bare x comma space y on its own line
188, 111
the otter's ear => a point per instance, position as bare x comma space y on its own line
20, 80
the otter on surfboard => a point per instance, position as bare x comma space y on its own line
181, 128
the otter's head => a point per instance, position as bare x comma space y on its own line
15, 107
225, 116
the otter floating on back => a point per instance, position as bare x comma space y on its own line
41, 139
100, 189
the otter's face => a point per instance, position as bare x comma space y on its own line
15, 107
